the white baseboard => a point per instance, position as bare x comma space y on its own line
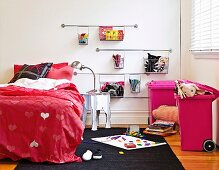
122, 117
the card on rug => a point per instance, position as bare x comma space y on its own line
127, 142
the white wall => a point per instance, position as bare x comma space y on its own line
199, 68
31, 33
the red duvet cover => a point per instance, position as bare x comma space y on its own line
40, 125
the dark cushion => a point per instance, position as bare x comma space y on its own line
32, 71
17, 67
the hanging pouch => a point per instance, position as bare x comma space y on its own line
83, 37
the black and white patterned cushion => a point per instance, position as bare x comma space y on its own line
32, 71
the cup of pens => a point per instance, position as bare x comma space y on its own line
118, 61
134, 85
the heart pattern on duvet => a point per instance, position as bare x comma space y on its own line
10, 148
42, 128
34, 144
12, 127
28, 114
60, 117
44, 115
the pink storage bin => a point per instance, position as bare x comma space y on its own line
160, 92
195, 120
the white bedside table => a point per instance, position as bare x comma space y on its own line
97, 101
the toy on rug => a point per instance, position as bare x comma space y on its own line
135, 134
89, 154
187, 89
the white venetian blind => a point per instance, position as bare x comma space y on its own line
205, 26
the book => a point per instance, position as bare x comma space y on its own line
164, 123
168, 133
159, 128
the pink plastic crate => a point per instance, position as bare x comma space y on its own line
195, 120
160, 93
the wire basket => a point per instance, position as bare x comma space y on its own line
107, 33
158, 65
118, 61
115, 89
135, 83
83, 39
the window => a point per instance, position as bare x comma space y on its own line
205, 26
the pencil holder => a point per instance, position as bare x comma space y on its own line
118, 61
135, 83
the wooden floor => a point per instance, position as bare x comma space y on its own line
194, 160
190, 160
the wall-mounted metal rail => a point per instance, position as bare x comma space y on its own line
66, 25
204, 50
99, 49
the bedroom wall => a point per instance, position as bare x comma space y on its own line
200, 68
31, 32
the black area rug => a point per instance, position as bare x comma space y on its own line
154, 158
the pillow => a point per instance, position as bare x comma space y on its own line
61, 73
166, 113
32, 71
17, 67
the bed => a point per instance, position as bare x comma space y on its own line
40, 120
